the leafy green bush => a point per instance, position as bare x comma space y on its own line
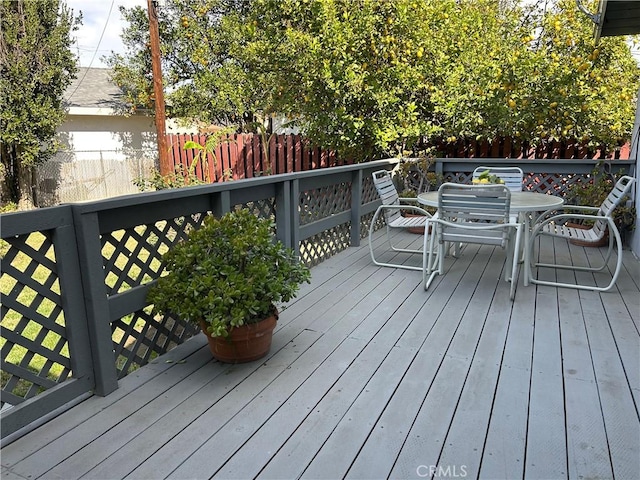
8, 207
595, 190
228, 273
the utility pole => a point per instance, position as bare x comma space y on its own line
166, 166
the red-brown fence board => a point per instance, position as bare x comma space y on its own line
248, 159
297, 153
290, 154
257, 156
306, 164
243, 155
236, 147
324, 159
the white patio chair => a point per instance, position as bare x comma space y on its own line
512, 176
555, 226
391, 208
477, 214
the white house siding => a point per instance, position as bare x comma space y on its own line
103, 155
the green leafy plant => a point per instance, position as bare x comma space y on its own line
369, 78
177, 179
181, 177
594, 191
204, 151
228, 273
413, 176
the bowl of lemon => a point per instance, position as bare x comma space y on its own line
487, 177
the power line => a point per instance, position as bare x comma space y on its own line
104, 29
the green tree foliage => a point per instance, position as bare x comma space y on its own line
370, 78
36, 66
207, 84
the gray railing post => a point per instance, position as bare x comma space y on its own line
96, 302
295, 214
283, 213
439, 168
221, 203
356, 203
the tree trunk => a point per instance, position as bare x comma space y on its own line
26, 185
10, 189
18, 180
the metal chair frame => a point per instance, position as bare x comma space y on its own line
554, 225
476, 214
391, 209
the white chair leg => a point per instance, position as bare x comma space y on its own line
434, 255
388, 240
515, 262
618, 242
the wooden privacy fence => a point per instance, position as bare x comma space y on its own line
245, 156
513, 148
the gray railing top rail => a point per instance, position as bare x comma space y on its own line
557, 165
186, 192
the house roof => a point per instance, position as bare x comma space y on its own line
92, 89
617, 17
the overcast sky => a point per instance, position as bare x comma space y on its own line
101, 27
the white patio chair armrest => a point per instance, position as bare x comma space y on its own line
571, 216
580, 207
480, 226
408, 199
412, 208
554, 212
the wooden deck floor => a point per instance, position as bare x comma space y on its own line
369, 376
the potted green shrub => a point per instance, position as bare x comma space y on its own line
412, 177
227, 277
592, 193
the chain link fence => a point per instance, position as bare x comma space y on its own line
78, 176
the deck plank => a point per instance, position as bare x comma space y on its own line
370, 376
323, 396
620, 412
546, 445
504, 449
339, 348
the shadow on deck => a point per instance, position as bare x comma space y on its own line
369, 376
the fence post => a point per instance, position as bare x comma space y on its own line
96, 302
284, 213
295, 215
356, 203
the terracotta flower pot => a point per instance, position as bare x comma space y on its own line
244, 344
582, 243
416, 230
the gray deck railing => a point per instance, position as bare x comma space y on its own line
74, 278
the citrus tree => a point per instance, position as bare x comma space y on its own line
369, 78
564, 86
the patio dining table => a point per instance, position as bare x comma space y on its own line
523, 203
